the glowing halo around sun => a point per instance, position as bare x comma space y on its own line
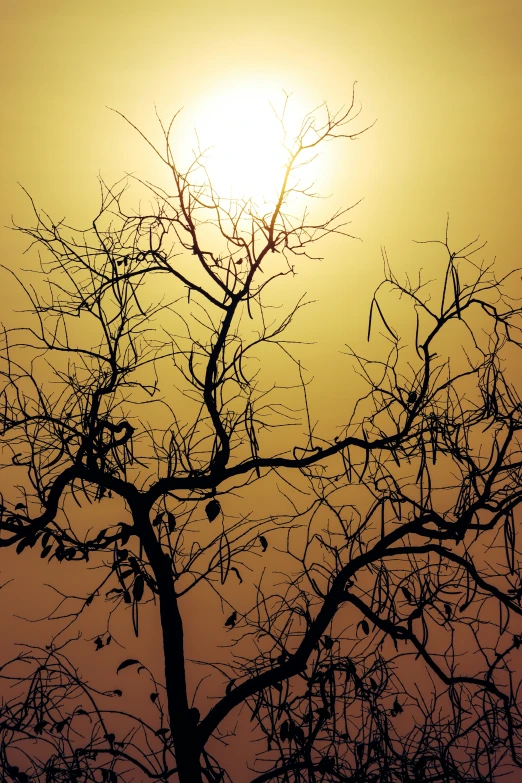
244, 142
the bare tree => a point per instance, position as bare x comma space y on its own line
377, 623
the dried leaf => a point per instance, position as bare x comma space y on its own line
224, 557
406, 594
231, 621
138, 588
212, 509
127, 662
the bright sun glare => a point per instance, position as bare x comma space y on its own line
245, 137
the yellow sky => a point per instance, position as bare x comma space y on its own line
443, 80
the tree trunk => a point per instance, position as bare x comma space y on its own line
182, 723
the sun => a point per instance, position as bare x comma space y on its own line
241, 131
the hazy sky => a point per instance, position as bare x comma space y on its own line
442, 80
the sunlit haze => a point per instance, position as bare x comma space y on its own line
240, 128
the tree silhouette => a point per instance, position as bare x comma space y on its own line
372, 632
